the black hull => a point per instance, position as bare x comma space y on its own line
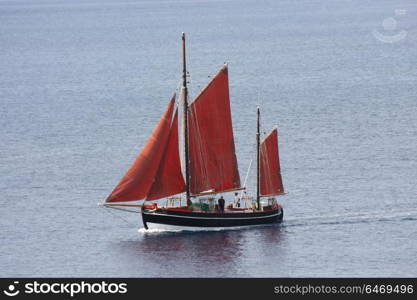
196, 219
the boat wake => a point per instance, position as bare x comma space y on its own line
336, 219
162, 229
157, 230
365, 217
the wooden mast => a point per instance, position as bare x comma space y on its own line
185, 120
258, 139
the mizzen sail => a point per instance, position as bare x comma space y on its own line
270, 170
212, 157
138, 180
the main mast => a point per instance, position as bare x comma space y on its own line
185, 120
258, 143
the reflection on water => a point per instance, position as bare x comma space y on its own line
218, 252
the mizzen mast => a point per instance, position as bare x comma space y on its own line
258, 157
185, 121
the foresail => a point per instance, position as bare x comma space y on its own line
138, 180
213, 163
169, 180
270, 170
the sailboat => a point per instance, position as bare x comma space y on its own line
178, 177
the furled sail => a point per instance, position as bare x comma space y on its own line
169, 180
138, 180
270, 170
212, 157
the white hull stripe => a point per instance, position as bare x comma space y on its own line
211, 218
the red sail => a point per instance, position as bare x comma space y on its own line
137, 181
213, 163
169, 180
270, 170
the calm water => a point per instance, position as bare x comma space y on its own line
82, 84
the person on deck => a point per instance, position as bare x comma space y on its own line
221, 204
237, 200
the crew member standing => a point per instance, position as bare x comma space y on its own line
221, 204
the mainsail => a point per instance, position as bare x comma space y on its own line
270, 170
138, 180
212, 157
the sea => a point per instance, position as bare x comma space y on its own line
84, 82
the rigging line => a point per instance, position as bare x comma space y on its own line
251, 154
247, 173
124, 209
179, 86
117, 216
